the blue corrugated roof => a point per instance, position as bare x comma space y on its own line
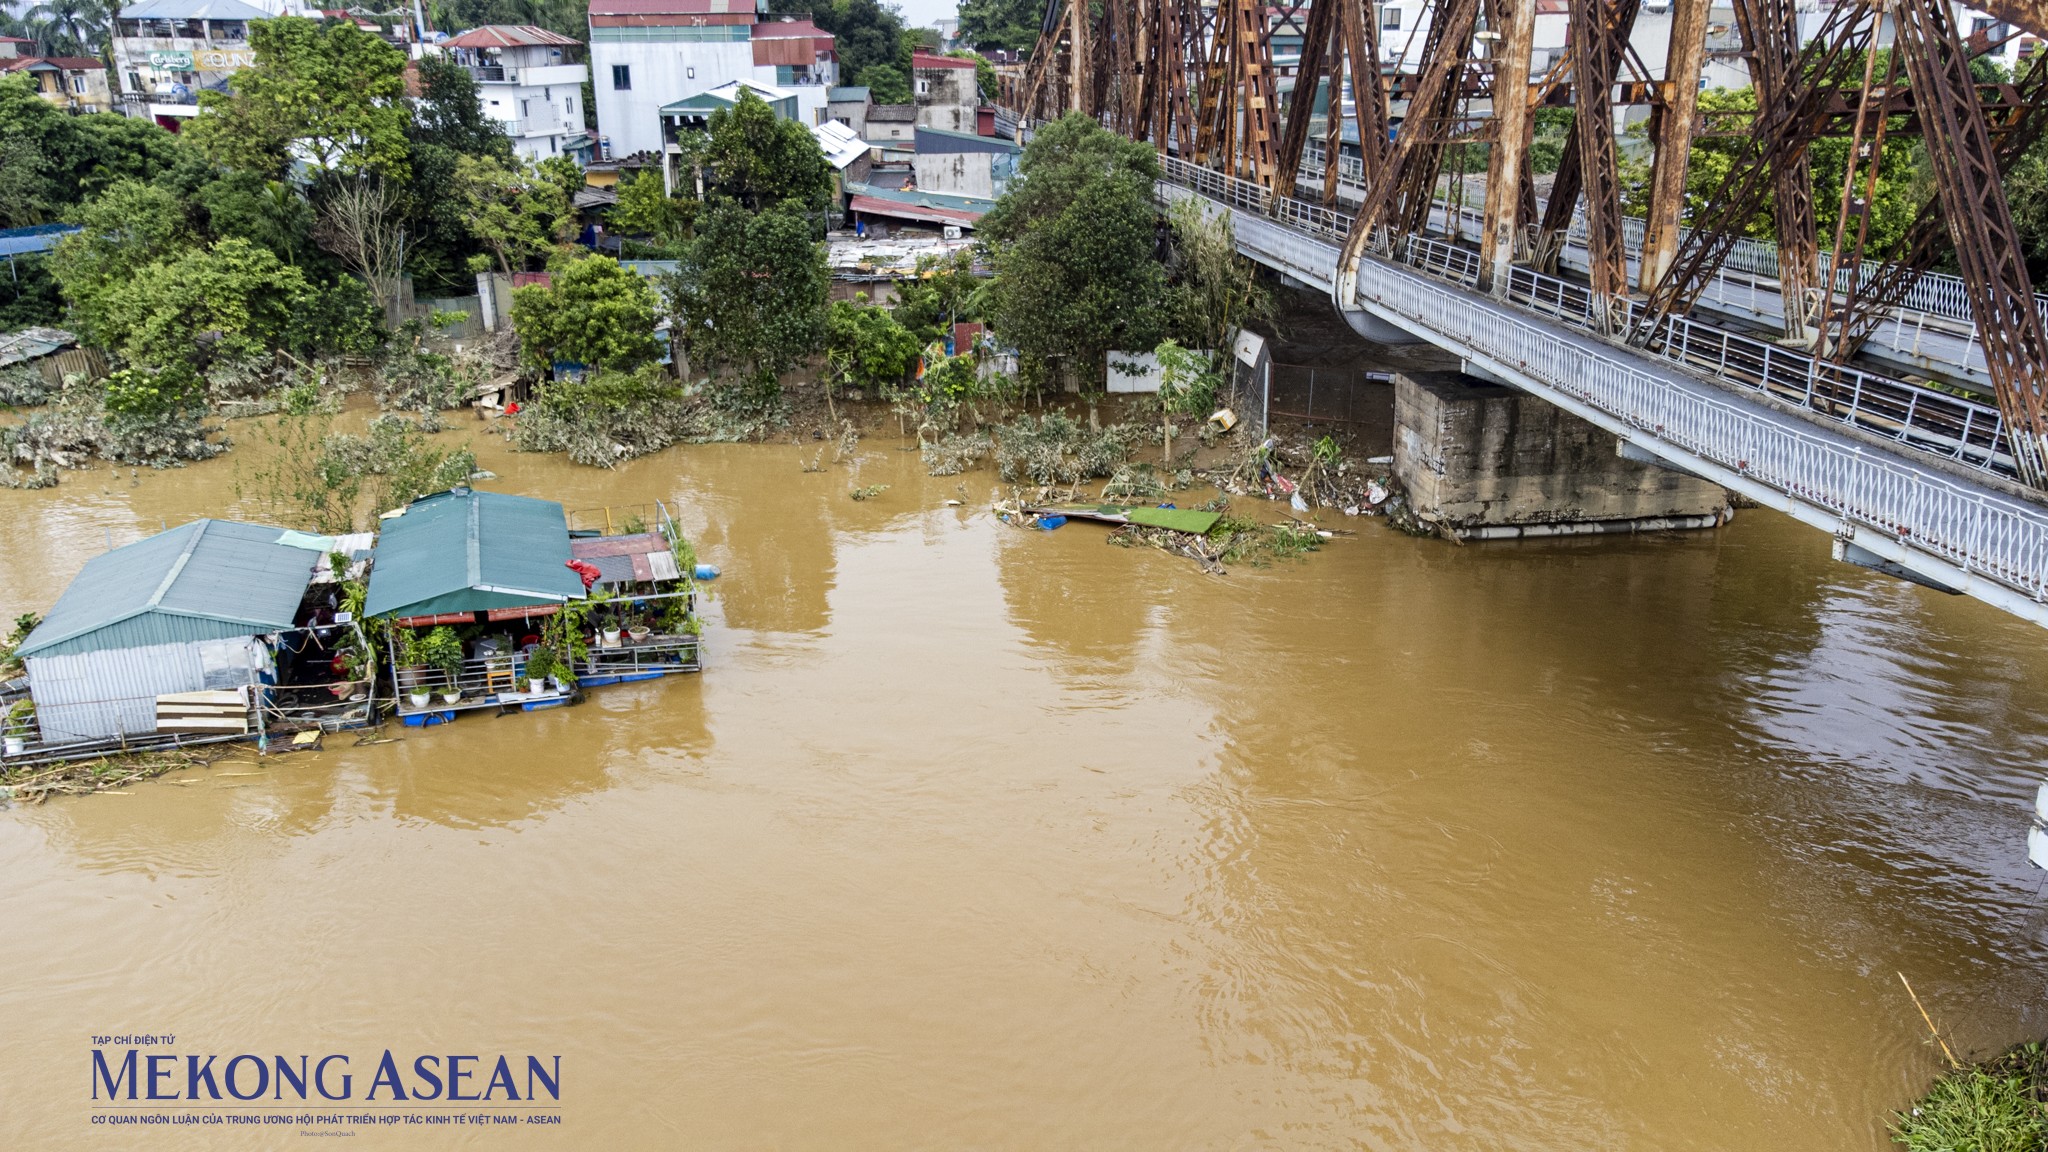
468, 551
209, 579
34, 238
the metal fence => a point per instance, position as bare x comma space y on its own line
1322, 395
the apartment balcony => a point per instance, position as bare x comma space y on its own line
535, 76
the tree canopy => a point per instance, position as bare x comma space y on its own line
592, 312
1005, 24
757, 159
330, 94
1075, 242
749, 299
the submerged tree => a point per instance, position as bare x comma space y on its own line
592, 312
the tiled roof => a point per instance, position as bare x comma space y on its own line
928, 60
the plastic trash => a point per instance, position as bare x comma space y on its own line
1375, 494
704, 572
1224, 418
1297, 502
1051, 522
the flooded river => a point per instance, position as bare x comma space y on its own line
972, 837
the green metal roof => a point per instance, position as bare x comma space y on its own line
468, 551
207, 580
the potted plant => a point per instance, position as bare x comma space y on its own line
540, 665
412, 666
639, 629
15, 742
441, 648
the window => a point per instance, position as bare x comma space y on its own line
524, 111
569, 105
78, 83
924, 87
1390, 18
689, 73
134, 82
622, 77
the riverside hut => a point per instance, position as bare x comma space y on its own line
489, 605
212, 630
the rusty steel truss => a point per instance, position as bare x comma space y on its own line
1200, 80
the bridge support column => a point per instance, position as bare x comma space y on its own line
1487, 462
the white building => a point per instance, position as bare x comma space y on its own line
530, 81
646, 54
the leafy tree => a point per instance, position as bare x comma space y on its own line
944, 291
750, 297
762, 161
513, 212
1188, 383
1005, 24
128, 228
887, 83
448, 114
593, 312
50, 160
646, 209
1074, 241
1214, 290
233, 300
866, 347
327, 93
271, 213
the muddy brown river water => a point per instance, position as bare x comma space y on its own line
972, 837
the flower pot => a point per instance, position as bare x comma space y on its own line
556, 683
639, 633
420, 699
451, 697
536, 686
611, 637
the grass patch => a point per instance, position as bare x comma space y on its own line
1991, 1107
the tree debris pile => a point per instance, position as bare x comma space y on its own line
88, 422
1053, 449
1233, 540
33, 784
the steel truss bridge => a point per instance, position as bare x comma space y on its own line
1783, 371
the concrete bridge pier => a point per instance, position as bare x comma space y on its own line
1486, 462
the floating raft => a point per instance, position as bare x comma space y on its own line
1176, 519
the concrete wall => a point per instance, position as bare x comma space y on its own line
946, 98
956, 173
1473, 455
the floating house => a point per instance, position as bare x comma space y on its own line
490, 602
214, 630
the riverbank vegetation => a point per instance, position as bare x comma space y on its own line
2000, 1105
269, 246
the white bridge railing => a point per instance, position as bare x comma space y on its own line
1941, 423
1973, 530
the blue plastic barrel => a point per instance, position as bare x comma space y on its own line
705, 572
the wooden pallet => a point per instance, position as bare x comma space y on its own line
214, 712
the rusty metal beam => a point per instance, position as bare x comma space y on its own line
1770, 36
1515, 22
1596, 60
1987, 245
1672, 127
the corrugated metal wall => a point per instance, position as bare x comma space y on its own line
110, 694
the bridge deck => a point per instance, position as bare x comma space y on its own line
1971, 531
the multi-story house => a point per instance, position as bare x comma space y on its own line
168, 51
530, 81
945, 91
646, 54
73, 83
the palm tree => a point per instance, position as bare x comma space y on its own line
69, 27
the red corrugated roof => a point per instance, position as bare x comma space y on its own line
510, 36
876, 206
927, 60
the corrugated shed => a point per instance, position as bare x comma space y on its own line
193, 10
510, 36
468, 551
105, 695
207, 580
